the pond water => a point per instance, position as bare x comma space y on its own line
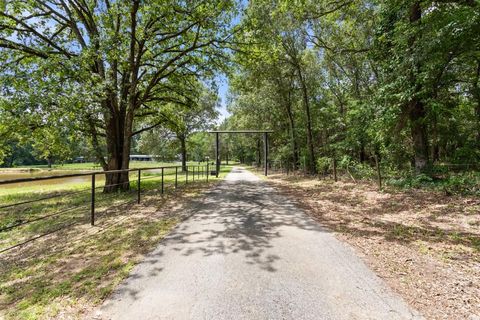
11, 175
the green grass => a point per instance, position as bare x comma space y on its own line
79, 266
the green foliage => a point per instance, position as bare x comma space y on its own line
324, 164
463, 183
395, 79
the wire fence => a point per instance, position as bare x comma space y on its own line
80, 206
372, 170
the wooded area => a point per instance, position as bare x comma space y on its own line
355, 80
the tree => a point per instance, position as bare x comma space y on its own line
52, 144
114, 62
159, 142
197, 113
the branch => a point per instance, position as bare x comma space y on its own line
38, 34
147, 128
8, 44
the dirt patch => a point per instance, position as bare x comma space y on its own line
424, 244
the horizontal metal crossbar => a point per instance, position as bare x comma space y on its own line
241, 131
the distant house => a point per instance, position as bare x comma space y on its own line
79, 160
142, 157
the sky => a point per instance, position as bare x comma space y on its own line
222, 92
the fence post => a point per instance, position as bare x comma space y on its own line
92, 204
176, 177
208, 173
379, 175
335, 169
162, 180
138, 186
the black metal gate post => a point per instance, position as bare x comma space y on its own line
208, 173
92, 204
176, 177
217, 153
162, 180
138, 185
217, 146
265, 153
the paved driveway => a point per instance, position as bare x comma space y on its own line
248, 252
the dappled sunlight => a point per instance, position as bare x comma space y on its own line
238, 218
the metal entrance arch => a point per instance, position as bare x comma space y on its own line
217, 146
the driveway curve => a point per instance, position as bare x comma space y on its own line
248, 252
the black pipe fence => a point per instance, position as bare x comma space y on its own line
192, 172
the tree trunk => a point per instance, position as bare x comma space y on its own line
226, 155
258, 154
284, 89
476, 97
293, 135
115, 154
118, 131
435, 147
119, 116
419, 135
477, 112
306, 103
363, 154
415, 106
183, 151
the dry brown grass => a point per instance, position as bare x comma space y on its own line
424, 244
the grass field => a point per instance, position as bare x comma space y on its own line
74, 268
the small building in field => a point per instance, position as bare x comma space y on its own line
142, 157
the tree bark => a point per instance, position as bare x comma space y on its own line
476, 97
183, 151
363, 153
293, 135
435, 146
419, 135
118, 157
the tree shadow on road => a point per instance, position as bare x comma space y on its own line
242, 218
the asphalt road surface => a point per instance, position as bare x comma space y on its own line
247, 252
